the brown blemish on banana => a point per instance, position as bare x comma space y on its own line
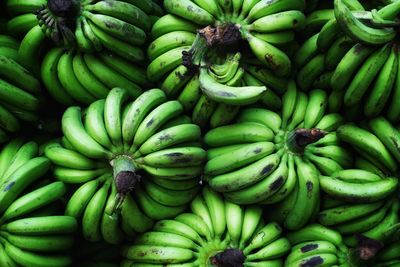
308, 247
277, 184
314, 261
267, 169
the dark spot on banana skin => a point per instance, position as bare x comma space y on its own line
310, 187
257, 150
314, 261
150, 122
266, 169
165, 137
226, 94
9, 186
277, 184
309, 247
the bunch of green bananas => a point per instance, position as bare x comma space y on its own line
377, 142
216, 233
316, 245
354, 54
191, 66
367, 76
272, 158
19, 91
376, 220
30, 233
108, 148
87, 25
74, 77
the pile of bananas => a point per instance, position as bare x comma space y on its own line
31, 228
216, 231
147, 145
272, 158
79, 31
194, 133
243, 35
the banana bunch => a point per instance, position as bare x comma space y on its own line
198, 59
88, 26
377, 143
374, 220
365, 76
272, 158
30, 232
322, 51
73, 77
316, 245
132, 162
19, 91
216, 233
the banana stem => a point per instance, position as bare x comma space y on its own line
367, 247
64, 8
229, 257
125, 178
298, 139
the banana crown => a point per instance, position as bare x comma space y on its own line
61, 20
130, 158
186, 56
30, 229
217, 232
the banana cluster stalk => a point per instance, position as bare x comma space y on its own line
187, 59
32, 233
316, 245
272, 158
133, 162
217, 232
87, 26
19, 91
82, 78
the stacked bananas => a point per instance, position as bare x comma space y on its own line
120, 26
272, 158
31, 231
377, 142
132, 161
187, 59
73, 77
19, 91
354, 54
376, 220
216, 233
316, 245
